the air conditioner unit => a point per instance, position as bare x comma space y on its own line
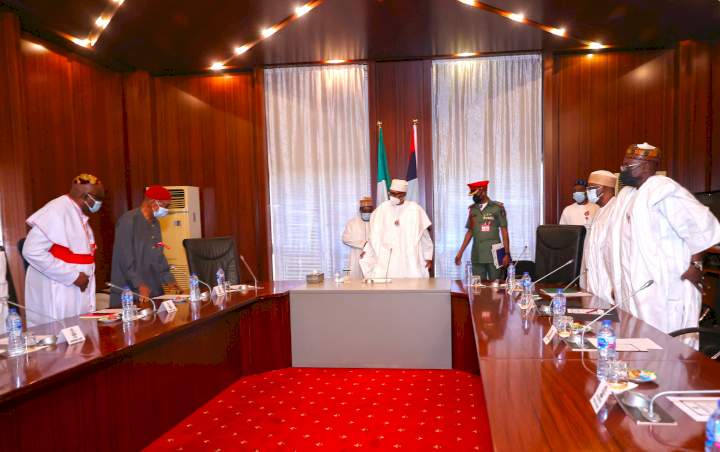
182, 222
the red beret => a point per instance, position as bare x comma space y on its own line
479, 184
157, 192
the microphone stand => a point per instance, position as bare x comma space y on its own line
554, 271
573, 281
242, 258
520, 255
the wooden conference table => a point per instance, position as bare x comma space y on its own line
127, 384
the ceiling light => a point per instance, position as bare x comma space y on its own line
242, 49
589, 55
102, 22
81, 42
465, 54
595, 45
118, 2
302, 10
517, 17
335, 61
558, 31
269, 31
217, 66
468, 2
35, 47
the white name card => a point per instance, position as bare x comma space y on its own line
168, 306
73, 335
550, 335
600, 396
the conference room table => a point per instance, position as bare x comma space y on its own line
126, 384
538, 395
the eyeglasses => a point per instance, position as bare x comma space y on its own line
631, 166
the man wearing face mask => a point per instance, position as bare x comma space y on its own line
663, 236
60, 249
486, 222
356, 235
581, 212
138, 259
595, 277
399, 245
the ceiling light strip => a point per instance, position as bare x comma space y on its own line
520, 18
267, 32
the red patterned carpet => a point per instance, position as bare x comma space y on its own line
339, 409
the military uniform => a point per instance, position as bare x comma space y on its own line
485, 227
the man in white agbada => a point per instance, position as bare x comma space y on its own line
355, 235
60, 249
611, 252
399, 245
581, 212
595, 277
664, 234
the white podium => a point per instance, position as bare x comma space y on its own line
402, 324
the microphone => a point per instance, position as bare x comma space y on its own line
242, 258
587, 327
140, 297
548, 274
573, 281
388, 265
521, 255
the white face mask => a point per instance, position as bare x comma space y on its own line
592, 195
395, 201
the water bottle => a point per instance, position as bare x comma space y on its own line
526, 300
606, 348
13, 324
128, 307
712, 431
558, 306
194, 288
526, 283
510, 282
220, 277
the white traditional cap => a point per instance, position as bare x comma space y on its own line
399, 185
602, 177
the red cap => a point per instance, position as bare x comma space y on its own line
157, 192
479, 184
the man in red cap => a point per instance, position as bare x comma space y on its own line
138, 259
486, 221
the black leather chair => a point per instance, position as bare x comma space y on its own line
21, 243
205, 256
12, 295
555, 245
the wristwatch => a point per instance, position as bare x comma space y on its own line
698, 265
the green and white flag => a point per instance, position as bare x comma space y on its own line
383, 175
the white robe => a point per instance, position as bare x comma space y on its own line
355, 236
398, 250
663, 227
579, 215
4, 291
595, 277
49, 287
611, 252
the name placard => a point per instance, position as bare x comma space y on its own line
73, 335
168, 306
550, 335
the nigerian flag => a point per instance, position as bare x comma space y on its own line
383, 175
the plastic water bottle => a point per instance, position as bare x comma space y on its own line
194, 288
128, 307
526, 283
13, 324
526, 300
510, 282
606, 348
220, 277
712, 431
558, 306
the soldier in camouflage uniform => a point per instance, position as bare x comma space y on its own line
486, 222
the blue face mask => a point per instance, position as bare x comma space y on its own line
365, 216
579, 197
96, 205
160, 212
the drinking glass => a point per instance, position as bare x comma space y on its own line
617, 373
564, 326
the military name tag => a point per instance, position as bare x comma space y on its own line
73, 335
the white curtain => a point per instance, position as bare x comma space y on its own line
487, 124
319, 163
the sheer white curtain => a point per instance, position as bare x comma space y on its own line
487, 124
319, 163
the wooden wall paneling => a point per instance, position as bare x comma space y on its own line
691, 164
715, 111
550, 140
138, 114
15, 188
464, 351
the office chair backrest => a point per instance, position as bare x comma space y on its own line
555, 245
206, 255
20, 245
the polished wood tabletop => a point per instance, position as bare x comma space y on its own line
22, 374
538, 395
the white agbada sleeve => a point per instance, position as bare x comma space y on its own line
354, 234
36, 251
426, 245
564, 217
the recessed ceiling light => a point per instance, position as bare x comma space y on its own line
596, 45
269, 31
468, 2
102, 22
517, 17
217, 66
81, 42
465, 54
336, 61
558, 31
302, 10
242, 49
